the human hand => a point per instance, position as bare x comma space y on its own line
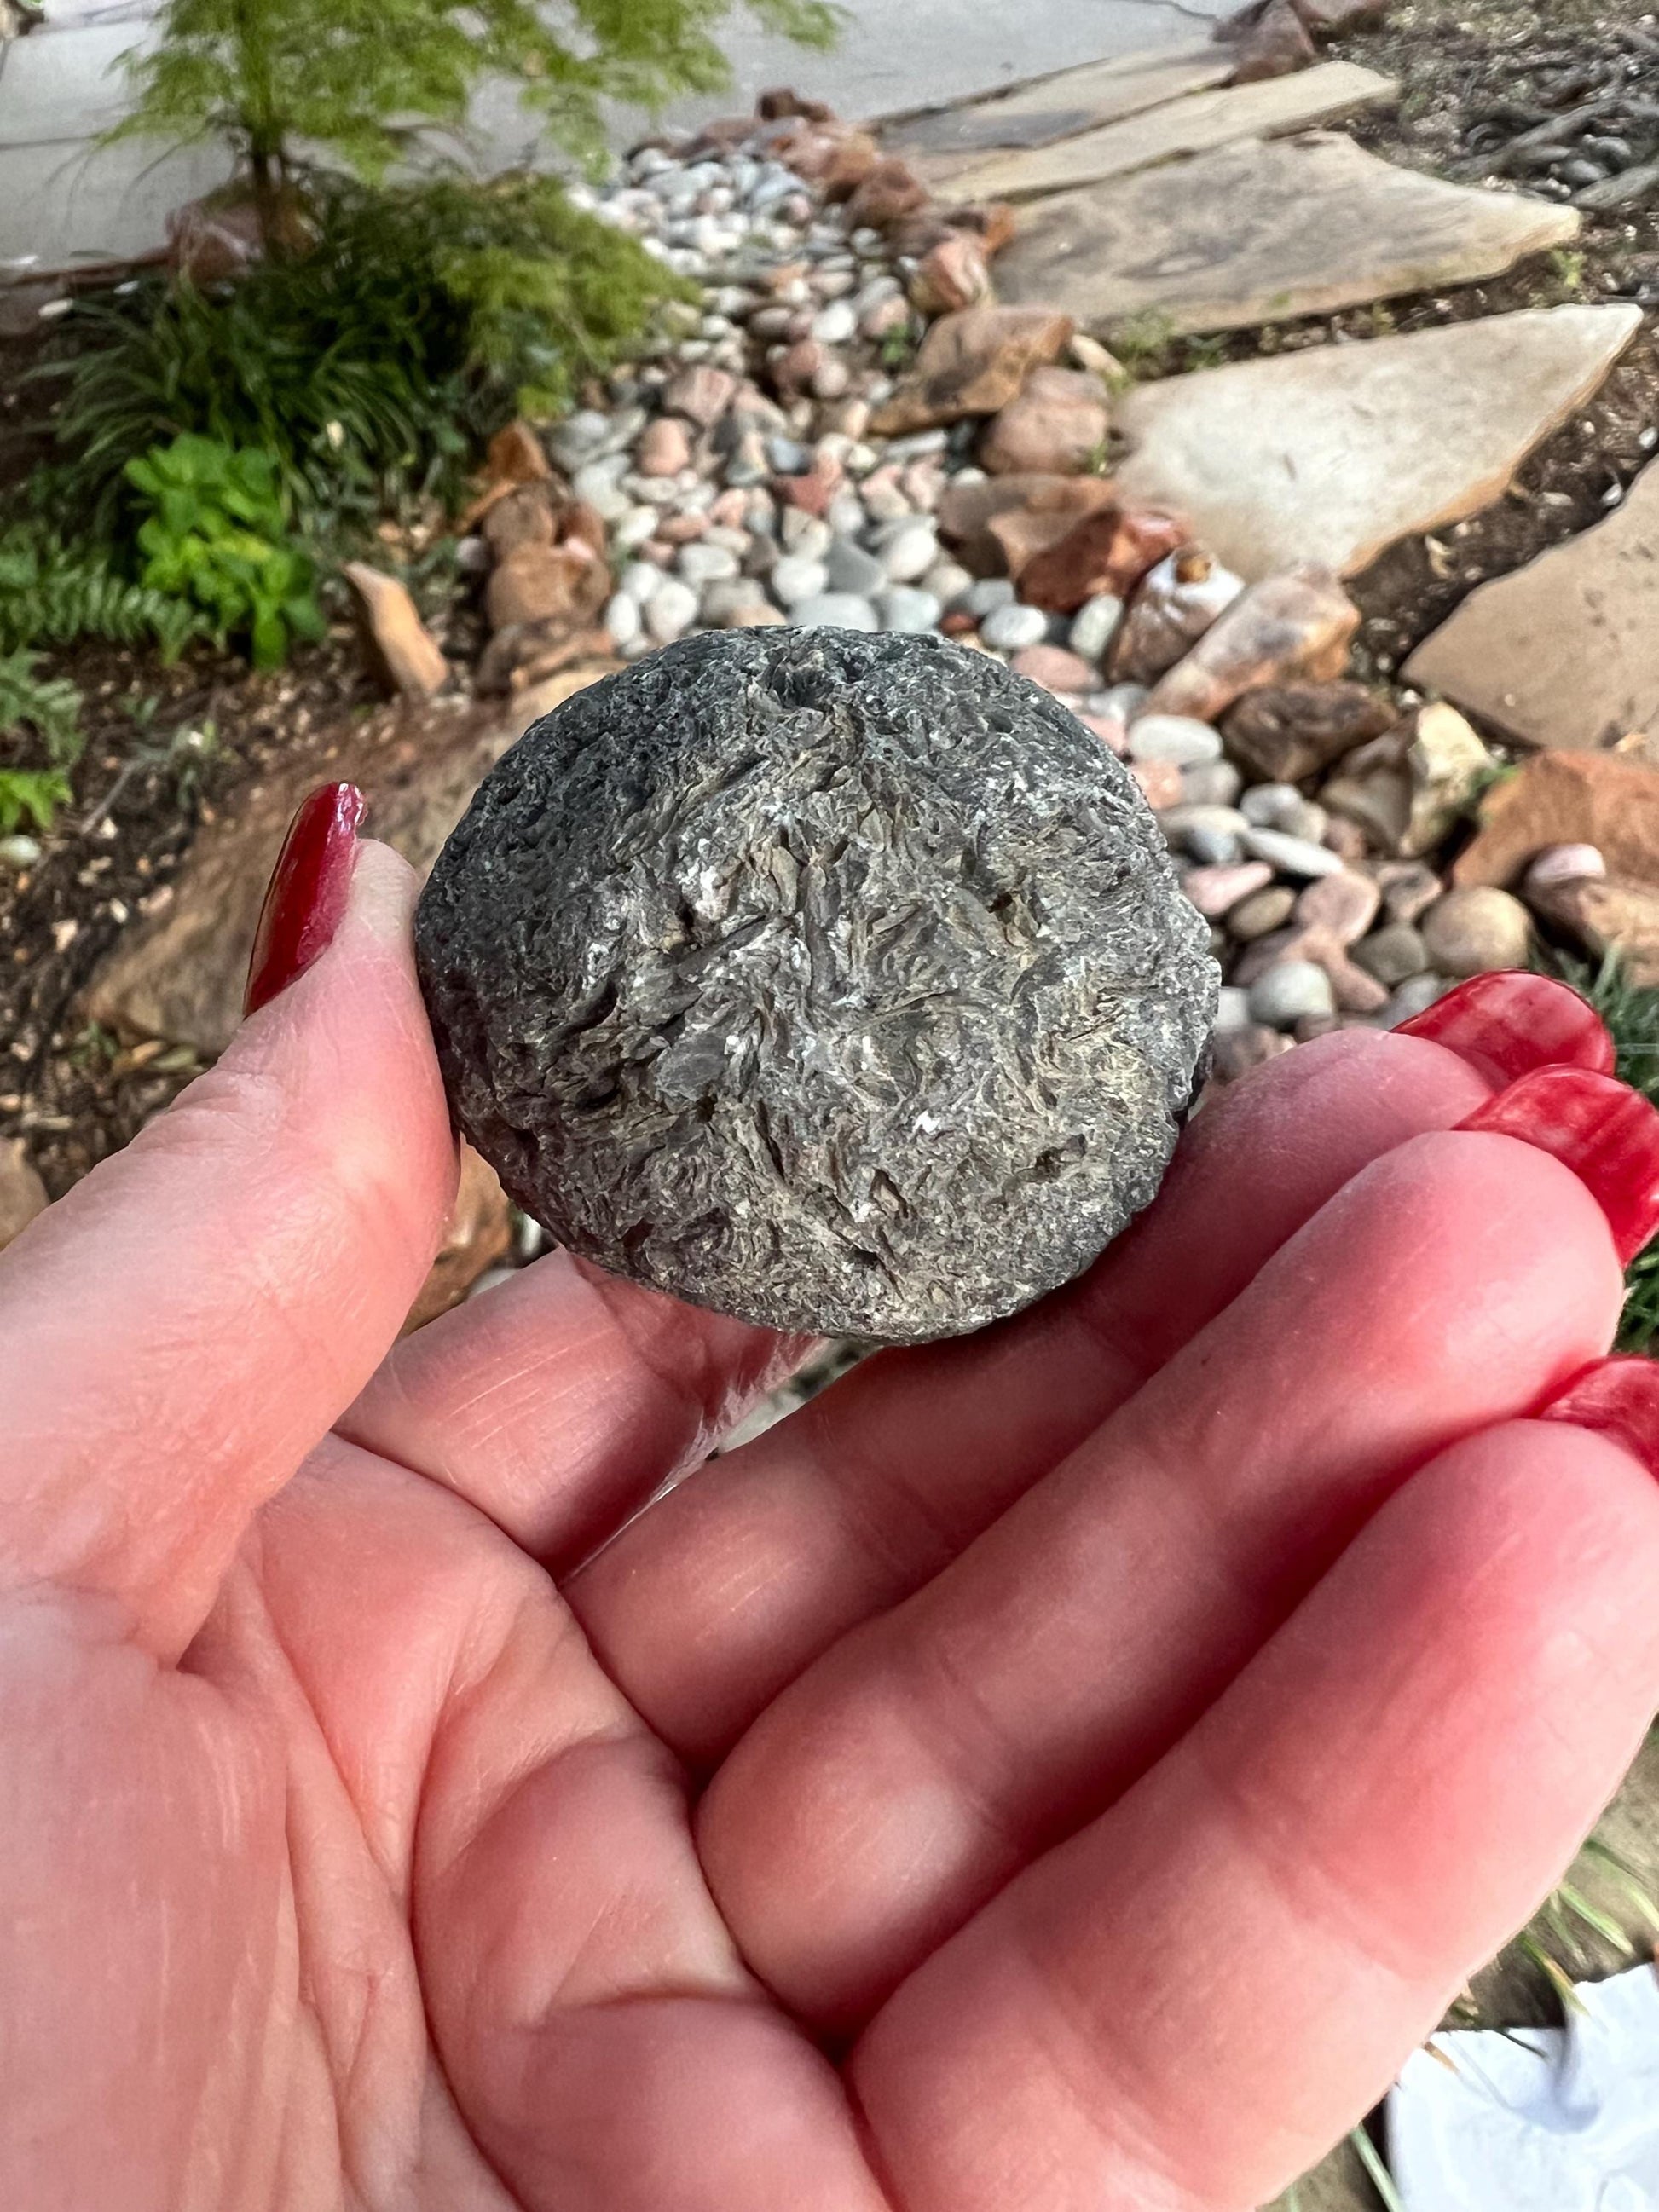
1066, 1768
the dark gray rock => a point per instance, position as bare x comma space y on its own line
837, 981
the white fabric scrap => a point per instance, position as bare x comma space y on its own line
1538, 2120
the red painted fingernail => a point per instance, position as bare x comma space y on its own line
1605, 1132
308, 893
1507, 1024
1619, 1397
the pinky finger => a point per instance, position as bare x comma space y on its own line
1184, 2006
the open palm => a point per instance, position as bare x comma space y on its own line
1064, 1769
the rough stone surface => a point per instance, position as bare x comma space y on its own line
1566, 651
1257, 234
973, 363
1290, 731
1187, 126
948, 140
1332, 454
837, 981
1603, 799
1298, 626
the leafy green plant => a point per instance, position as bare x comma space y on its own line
51, 706
217, 536
52, 593
359, 78
425, 317
31, 795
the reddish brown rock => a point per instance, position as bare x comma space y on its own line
1610, 800
973, 363
779, 101
1056, 669
812, 492
703, 392
891, 191
516, 456
681, 528
1609, 914
795, 366
834, 157
1051, 505
527, 515
1334, 19
1290, 731
1295, 626
403, 654
1108, 550
1159, 781
663, 448
1056, 426
951, 276
1276, 45
478, 1235
567, 583
1177, 601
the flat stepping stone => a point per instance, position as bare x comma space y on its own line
1565, 652
1332, 454
1195, 125
1264, 232
947, 139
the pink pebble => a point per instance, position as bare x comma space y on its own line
1054, 668
1215, 891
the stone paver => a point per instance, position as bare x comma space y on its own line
1565, 652
1332, 454
1056, 107
1261, 232
61, 204
66, 84
1195, 124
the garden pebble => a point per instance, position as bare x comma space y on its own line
1291, 992
906, 607
1262, 914
852, 569
836, 611
1472, 931
1094, 626
703, 563
1290, 856
1211, 783
1392, 954
1232, 1008
796, 578
1011, 628
670, 611
986, 597
1173, 738
910, 552
622, 619
1216, 890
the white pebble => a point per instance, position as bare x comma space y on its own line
622, 619
1291, 856
903, 607
642, 580
670, 611
1175, 737
836, 324
700, 563
797, 577
1289, 992
1012, 628
1094, 626
836, 611
1233, 1009
910, 552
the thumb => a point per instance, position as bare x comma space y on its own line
186, 1325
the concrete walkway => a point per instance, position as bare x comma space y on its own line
64, 200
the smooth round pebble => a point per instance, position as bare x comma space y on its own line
1176, 739
1233, 1010
1211, 783
808, 535
989, 593
1011, 627
910, 552
1415, 996
1094, 626
837, 323
1216, 890
1262, 914
907, 607
622, 619
1477, 929
1053, 667
1564, 864
700, 563
19, 852
836, 610
670, 611
947, 581
1265, 806
1290, 856
1290, 992
1392, 954
797, 577
852, 569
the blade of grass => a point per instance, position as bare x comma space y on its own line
1378, 2175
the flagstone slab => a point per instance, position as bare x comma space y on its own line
1056, 107
1262, 232
1332, 454
1193, 125
1565, 652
